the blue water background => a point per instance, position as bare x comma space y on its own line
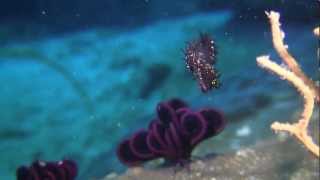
77, 77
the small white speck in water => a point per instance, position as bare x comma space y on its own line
42, 163
243, 131
241, 172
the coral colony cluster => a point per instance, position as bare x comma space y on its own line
40, 170
172, 135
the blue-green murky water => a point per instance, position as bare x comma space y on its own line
77, 77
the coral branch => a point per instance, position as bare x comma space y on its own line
295, 76
299, 129
316, 31
265, 62
296, 129
281, 48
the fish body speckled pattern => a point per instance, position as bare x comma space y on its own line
200, 57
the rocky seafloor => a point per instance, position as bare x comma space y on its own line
270, 160
78, 95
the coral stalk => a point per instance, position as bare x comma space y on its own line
308, 90
281, 48
299, 129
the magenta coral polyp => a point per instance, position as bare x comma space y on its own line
172, 135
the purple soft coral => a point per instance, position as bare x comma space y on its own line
172, 135
40, 170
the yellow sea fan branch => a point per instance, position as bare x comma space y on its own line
295, 76
265, 62
299, 129
281, 48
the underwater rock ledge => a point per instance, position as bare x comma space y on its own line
271, 159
